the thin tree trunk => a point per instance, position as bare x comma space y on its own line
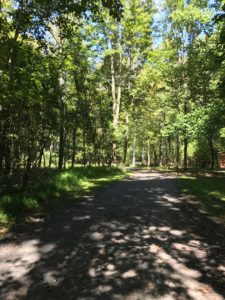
212, 151
29, 160
44, 160
73, 148
61, 136
50, 156
84, 150
149, 154
177, 151
114, 108
134, 153
16, 157
185, 138
8, 156
143, 156
62, 80
113, 91
155, 155
1, 153
40, 158
126, 141
185, 153
169, 159
116, 99
125, 150
160, 152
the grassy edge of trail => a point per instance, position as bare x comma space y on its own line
52, 190
209, 191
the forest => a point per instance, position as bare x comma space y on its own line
112, 149
111, 82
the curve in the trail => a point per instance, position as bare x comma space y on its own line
137, 239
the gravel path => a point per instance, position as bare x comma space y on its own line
137, 239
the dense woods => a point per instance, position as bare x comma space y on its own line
110, 82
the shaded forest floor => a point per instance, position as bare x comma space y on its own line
139, 238
50, 189
208, 189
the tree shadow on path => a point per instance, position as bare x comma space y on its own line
138, 239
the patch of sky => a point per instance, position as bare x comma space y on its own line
158, 23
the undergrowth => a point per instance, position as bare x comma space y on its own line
54, 189
210, 191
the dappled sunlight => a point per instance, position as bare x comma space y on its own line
196, 251
129, 274
96, 236
15, 271
81, 218
119, 245
47, 248
171, 199
209, 190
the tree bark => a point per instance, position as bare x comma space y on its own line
30, 157
160, 152
84, 150
61, 136
50, 156
73, 148
177, 151
134, 153
126, 141
185, 153
149, 154
212, 151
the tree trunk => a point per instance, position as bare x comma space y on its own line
185, 153
8, 156
40, 158
50, 156
6, 140
134, 153
61, 136
113, 91
16, 157
73, 148
125, 150
155, 156
169, 150
1, 154
116, 99
29, 160
44, 160
143, 156
177, 151
126, 141
6, 115
185, 138
160, 152
84, 150
149, 154
212, 151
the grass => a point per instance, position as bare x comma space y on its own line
209, 190
54, 189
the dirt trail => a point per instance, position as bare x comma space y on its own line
137, 239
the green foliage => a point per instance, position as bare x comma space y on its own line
210, 191
55, 189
